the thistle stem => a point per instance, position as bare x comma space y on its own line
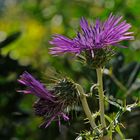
86, 107
101, 96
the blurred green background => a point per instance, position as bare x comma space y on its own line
26, 26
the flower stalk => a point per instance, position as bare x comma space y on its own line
101, 96
86, 107
101, 101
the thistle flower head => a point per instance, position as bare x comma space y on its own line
52, 104
93, 37
92, 44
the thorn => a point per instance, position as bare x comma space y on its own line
95, 86
92, 53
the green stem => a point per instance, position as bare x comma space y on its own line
86, 107
101, 96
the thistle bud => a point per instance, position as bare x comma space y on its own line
66, 90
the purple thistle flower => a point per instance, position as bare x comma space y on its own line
49, 106
98, 36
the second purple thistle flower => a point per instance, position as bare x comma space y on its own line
93, 37
52, 105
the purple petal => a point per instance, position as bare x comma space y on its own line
63, 45
34, 87
84, 24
